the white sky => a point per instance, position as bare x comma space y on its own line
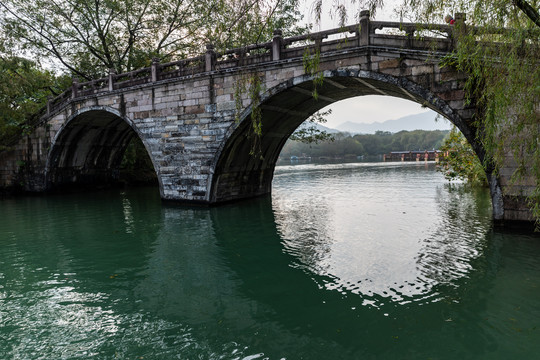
363, 109
372, 108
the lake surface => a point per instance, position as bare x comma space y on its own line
343, 261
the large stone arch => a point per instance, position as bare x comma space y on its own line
88, 149
237, 174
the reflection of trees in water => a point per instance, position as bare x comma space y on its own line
181, 265
223, 274
460, 236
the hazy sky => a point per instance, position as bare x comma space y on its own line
372, 108
364, 109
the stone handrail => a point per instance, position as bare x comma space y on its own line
405, 36
364, 34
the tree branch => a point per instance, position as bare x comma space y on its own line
528, 10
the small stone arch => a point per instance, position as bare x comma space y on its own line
88, 149
237, 174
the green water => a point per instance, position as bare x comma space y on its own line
343, 261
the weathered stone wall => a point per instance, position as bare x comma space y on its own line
23, 165
515, 192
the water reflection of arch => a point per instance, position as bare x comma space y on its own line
225, 273
460, 238
221, 275
287, 315
105, 224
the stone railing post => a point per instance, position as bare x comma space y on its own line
277, 44
154, 71
318, 43
460, 28
210, 58
74, 87
364, 28
49, 104
460, 18
112, 74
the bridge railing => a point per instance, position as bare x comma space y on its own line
431, 37
57, 102
180, 68
366, 33
132, 78
362, 34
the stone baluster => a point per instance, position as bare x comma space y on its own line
364, 28
277, 45
318, 43
154, 70
461, 18
74, 87
460, 28
409, 33
49, 104
210, 58
112, 75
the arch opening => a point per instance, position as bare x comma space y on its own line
240, 175
89, 152
369, 128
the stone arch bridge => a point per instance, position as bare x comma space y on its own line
194, 126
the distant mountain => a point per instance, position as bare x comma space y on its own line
319, 127
422, 121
